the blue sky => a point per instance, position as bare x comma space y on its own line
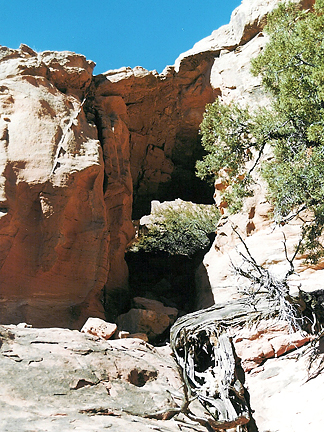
113, 33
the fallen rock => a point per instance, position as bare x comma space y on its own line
144, 321
267, 339
142, 336
154, 305
100, 328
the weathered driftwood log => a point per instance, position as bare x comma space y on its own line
210, 368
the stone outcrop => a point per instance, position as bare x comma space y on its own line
53, 227
147, 316
72, 147
84, 382
66, 190
163, 116
284, 393
233, 46
265, 340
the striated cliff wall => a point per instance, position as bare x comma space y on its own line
54, 235
163, 116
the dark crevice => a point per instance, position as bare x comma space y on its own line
99, 126
167, 278
83, 383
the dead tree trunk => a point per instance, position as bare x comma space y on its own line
210, 368
204, 351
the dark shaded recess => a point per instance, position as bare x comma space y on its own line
116, 302
183, 184
164, 277
187, 186
99, 125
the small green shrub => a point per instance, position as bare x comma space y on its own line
179, 229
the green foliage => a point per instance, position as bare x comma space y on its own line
183, 229
231, 137
292, 70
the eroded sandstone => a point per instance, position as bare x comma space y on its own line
53, 226
84, 382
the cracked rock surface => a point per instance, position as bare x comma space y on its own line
58, 379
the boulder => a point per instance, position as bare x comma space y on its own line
144, 321
267, 339
100, 328
154, 305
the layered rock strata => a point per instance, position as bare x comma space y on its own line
66, 190
164, 112
85, 382
53, 227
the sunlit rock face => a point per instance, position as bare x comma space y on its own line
163, 116
53, 228
233, 47
85, 382
56, 217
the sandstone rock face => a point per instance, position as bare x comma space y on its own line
246, 22
265, 340
233, 46
73, 147
285, 395
163, 116
65, 190
109, 114
53, 226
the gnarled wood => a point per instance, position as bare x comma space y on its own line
210, 368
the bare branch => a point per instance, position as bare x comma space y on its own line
277, 289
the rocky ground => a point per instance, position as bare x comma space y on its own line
59, 379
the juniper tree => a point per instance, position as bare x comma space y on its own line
292, 70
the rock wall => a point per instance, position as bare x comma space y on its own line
52, 209
66, 190
233, 47
163, 116
78, 153
72, 146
